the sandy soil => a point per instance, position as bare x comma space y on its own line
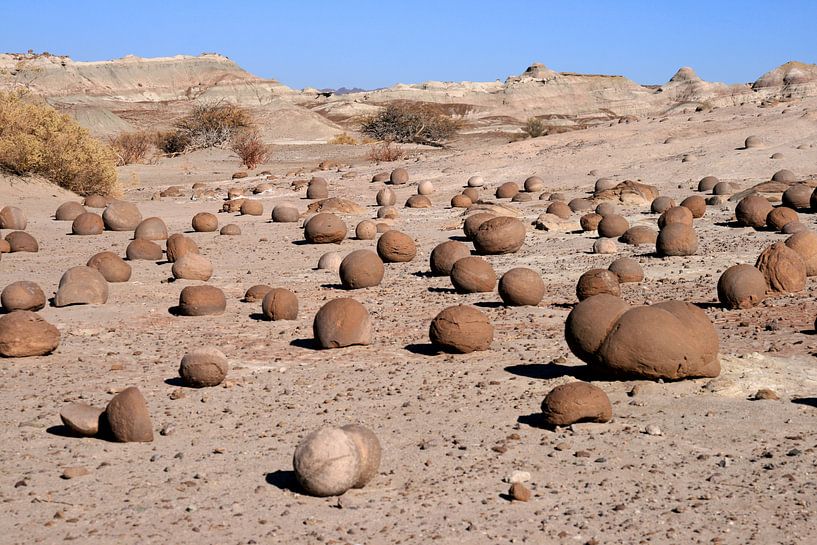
726, 469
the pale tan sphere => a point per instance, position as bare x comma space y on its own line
425, 188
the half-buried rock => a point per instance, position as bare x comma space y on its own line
473, 275
676, 239
12, 217
121, 216
361, 269
741, 286
22, 295
324, 228
501, 235
627, 270
127, 417
330, 261
151, 229
141, 249
68, 211
111, 266
192, 267
576, 402
445, 254
203, 367
461, 328
20, 241
256, 293
396, 247
596, 281
285, 213
280, 304
87, 224
342, 322
81, 285
521, 286
201, 301
251, 207
81, 418
24, 333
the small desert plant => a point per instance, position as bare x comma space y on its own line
385, 152
249, 147
534, 127
171, 142
410, 123
36, 139
210, 125
132, 147
343, 139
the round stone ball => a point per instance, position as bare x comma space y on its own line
251, 208
24, 333
603, 184
696, 204
461, 328
613, 226
386, 197
777, 218
361, 269
366, 230
559, 209
12, 217
22, 295
399, 176
793, 227
471, 193
606, 209
97, 201
342, 322
589, 323
522, 197
256, 293
383, 227
676, 239
325, 228
280, 304
178, 245
20, 241
753, 142
596, 281
87, 223
797, 197
576, 402
752, 211
111, 266
500, 235
143, 249
81, 286
368, 450
396, 247
315, 192
507, 190
151, 229
638, 235
805, 244
418, 201
590, 222
580, 205
605, 246
472, 223
203, 367
445, 254
425, 188
521, 286
676, 214
627, 270
231, 229
741, 287
473, 275
460, 201
128, 417
707, 183
476, 181
202, 301
330, 261
783, 268
68, 211
285, 213
121, 216
387, 212
205, 222
661, 204
785, 176
534, 184
192, 267
327, 462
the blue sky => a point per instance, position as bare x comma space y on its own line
374, 44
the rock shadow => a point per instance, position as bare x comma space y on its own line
284, 480
547, 371
309, 344
424, 349
810, 401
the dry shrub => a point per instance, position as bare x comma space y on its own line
411, 123
132, 147
171, 142
343, 139
385, 152
36, 139
209, 125
249, 147
534, 127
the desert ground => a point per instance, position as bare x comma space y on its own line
721, 467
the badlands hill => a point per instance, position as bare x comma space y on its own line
133, 92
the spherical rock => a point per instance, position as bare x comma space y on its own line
783, 268
784, 175
576, 402
521, 286
445, 254
396, 247
606, 209
205, 222
741, 286
696, 204
500, 235
121, 216
12, 217
128, 417
418, 201
590, 222
661, 204
280, 304
522, 197
192, 267
476, 181
383, 227
179, 245
534, 184
366, 230
325, 228
460, 201
327, 462
22, 295
793, 227
361, 269
23, 333
603, 184
112, 267
461, 328
285, 213
143, 249
605, 246
589, 323
88, 223
777, 218
723, 188
399, 176
68, 211
151, 229
386, 197
753, 142
596, 281
472, 223
507, 190
473, 275
805, 244
81, 285
559, 209
342, 322
707, 183
613, 226
638, 235
203, 367
425, 188
251, 208
471, 193
231, 229
752, 211
256, 293
319, 191
387, 212
330, 261
676, 239
676, 214
201, 301
368, 450
797, 197
97, 201
627, 270
579, 205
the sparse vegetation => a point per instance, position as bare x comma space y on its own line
36, 139
343, 139
132, 147
171, 142
411, 123
249, 147
208, 125
385, 152
534, 127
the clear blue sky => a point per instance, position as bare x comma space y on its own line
372, 44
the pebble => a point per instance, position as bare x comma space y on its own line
73, 472
766, 393
519, 492
652, 429
519, 477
